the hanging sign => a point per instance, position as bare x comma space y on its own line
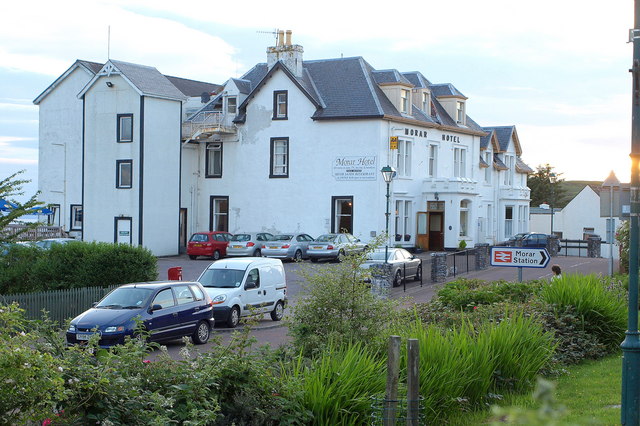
393, 142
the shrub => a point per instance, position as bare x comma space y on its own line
467, 294
340, 308
75, 265
600, 305
339, 383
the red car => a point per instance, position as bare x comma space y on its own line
211, 244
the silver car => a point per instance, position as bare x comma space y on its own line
247, 243
404, 265
334, 246
48, 242
287, 246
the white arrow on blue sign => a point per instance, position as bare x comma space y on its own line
521, 257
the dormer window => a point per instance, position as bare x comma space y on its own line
232, 104
404, 101
460, 112
426, 103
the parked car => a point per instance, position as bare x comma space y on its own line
334, 246
242, 287
287, 246
404, 265
532, 239
48, 242
248, 243
212, 244
511, 241
168, 310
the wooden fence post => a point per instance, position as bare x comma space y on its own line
393, 371
413, 382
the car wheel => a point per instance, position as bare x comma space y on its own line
234, 317
341, 256
192, 257
298, 256
419, 273
216, 255
278, 311
314, 259
397, 280
257, 253
202, 333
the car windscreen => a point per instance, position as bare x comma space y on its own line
327, 238
241, 237
377, 255
282, 237
126, 298
199, 238
222, 278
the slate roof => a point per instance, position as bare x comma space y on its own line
91, 67
483, 163
498, 164
446, 89
148, 80
486, 139
244, 86
389, 76
504, 135
522, 167
193, 88
417, 79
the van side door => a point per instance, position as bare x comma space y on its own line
253, 297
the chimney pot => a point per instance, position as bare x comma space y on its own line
280, 38
288, 42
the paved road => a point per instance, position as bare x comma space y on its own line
274, 334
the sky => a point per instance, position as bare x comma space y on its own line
557, 70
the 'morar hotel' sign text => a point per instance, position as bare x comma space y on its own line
355, 168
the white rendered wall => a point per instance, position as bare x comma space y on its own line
60, 144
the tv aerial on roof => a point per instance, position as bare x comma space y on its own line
274, 33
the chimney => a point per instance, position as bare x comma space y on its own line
289, 54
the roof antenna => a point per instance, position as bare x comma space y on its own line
108, 42
274, 33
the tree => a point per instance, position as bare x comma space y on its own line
11, 210
546, 188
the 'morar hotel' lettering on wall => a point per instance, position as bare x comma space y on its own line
451, 138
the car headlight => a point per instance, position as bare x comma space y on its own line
219, 299
72, 328
113, 329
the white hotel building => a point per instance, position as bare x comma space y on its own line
130, 155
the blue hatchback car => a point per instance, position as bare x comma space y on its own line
167, 309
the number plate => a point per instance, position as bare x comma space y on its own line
273, 247
317, 247
237, 246
197, 245
83, 336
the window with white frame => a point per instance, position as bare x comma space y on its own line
125, 128
508, 222
342, 214
426, 103
213, 159
488, 158
433, 160
521, 219
460, 112
219, 213
279, 167
402, 220
509, 161
124, 174
232, 104
402, 161
76, 217
464, 218
459, 162
404, 100
280, 105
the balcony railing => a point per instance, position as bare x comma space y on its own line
207, 123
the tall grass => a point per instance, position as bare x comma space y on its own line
338, 385
520, 349
601, 306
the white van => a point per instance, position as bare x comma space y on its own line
245, 286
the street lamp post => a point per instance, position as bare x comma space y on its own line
552, 180
612, 182
631, 344
387, 174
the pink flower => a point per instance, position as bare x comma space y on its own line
46, 422
146, 361
475, 307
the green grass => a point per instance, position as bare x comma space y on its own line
589, 394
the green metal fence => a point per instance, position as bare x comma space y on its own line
60, 304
